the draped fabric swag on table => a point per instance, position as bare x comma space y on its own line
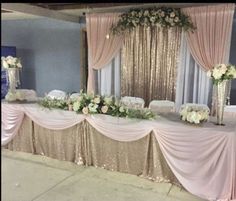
198, 156
149, 63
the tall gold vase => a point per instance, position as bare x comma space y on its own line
221, 88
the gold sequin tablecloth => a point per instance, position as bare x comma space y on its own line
84, 145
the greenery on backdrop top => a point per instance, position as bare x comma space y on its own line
164, 17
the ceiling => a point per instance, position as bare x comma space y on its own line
79, 9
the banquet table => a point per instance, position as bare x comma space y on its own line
202, 159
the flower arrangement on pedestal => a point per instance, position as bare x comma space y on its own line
194, 113
220, 75
222, 72
96, 104
165, 17
11, 62
12, 65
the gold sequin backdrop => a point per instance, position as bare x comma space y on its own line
149, 63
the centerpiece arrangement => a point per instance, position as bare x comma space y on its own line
221, 74
12, 65
194, 113
165, 17
96, 104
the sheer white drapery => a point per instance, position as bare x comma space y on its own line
108, 78
193, 85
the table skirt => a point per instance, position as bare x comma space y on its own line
84, 145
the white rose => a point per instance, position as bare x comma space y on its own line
104, 109
85, 110
108, 100
121, 109
217, 74
92, 107
176, 19
5, 64
11, 61
76, 106
172, 14
96, 100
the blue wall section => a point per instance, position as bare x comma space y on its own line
49, 50
232, 60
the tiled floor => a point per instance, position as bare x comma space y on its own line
27, 177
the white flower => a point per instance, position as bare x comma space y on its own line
5, 64
232, 71
121, 109
85, 110
194, 113
146, 13
96, 100
176, 19
92, 107
108, 100
172, 14
11, 62
104, 109
209, 73
76, 106
217, 74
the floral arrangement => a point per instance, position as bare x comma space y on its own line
194, 113
222, 72
11, 62
96, 104
165, 17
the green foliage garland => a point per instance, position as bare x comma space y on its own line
95, 104
165, 17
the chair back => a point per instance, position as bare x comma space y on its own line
162, 106
132, 102
57, 94
28, 94
74, 96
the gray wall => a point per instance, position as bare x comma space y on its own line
232, 60
50, 52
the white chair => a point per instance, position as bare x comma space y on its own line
57, 94
132, 102
74, 96
28, 94
162, 106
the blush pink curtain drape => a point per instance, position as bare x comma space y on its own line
102, 45
210, 42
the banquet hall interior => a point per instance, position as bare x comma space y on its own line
118, 101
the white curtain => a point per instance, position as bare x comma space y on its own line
108, 78
193, 85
